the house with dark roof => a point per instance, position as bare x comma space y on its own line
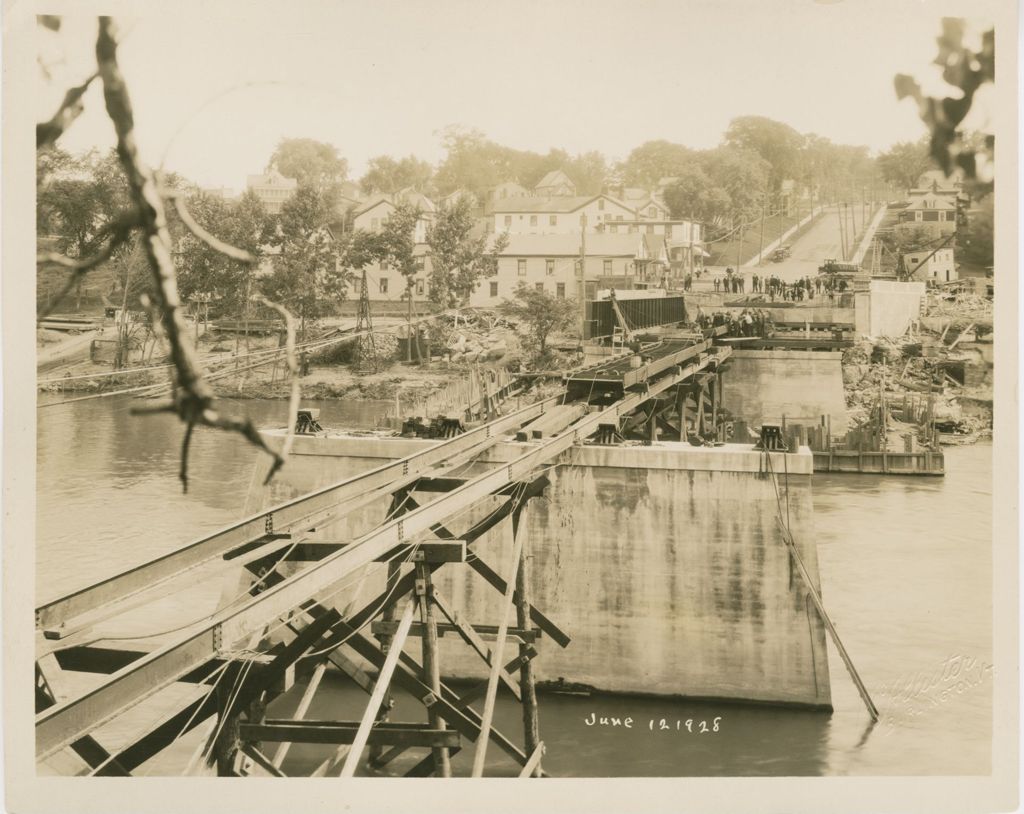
555, 184
934, 210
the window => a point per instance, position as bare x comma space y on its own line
608, 267
540, 286
579, 268
553, 220
619, 217
560, 290
550, 267
374, 224
652, 212
508, 220
522, 268
383, 285
533, 220
650, 228
494, 289
668, 230
931, 215
615, 229
419, 288
600, 204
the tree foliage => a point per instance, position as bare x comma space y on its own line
968, 71
695, 195
543, 314
388, 175
202, 270
310, 162
396, 242
976, 237
475, 163
307, 277
78, 197
777, 143
654, 160
459, 257
905, 162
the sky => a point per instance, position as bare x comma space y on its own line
216, 85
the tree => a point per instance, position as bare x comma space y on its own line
968, 71
202, 270
543, 314
459, 258
910, 237
777, 143
654, 160
694, 195
976, 237
742, 174
310, 162
77, 198
307, 277
589, 171
385, 174
905, 162
472, 162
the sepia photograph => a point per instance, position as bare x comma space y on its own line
534, 391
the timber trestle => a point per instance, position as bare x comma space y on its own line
292, 616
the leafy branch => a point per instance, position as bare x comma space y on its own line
192, 397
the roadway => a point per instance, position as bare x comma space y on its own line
823, 240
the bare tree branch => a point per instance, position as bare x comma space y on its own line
70, 109
120, 233
214, 243
293, 370
193, 397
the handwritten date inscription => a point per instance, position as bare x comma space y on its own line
691, 725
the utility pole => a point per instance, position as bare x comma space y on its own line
739, 245
583, 277
760, 251
408, 323
842, 229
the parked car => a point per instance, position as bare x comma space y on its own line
780, 254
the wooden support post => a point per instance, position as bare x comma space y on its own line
499, 647
715, 387
699, 396
531, 717
431, 666
301, 710
681, 406
383, 681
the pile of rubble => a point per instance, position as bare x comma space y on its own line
475, 337
913, 369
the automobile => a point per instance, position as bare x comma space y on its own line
780, 254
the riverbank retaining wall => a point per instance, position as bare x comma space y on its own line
664, 563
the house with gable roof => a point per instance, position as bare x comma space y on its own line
554, 185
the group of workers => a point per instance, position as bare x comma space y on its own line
748, 322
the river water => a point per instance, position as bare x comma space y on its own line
906, 572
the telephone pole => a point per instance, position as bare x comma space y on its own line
760, 251
583, 277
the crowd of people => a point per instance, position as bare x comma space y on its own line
804, 288
748, 322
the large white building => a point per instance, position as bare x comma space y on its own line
273, 189
550, 262
939, 268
